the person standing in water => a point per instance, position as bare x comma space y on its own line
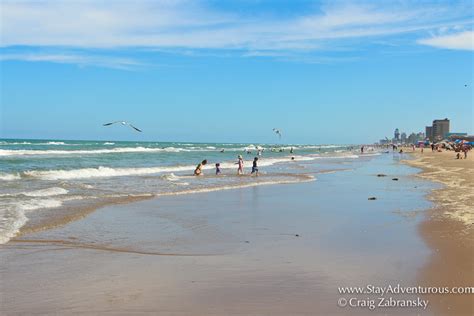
240, 169
255, 167
198, 170
218, 169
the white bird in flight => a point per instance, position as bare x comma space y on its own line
123, 123
277, 131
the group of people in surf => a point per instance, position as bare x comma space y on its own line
240, 168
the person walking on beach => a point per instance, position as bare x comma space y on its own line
218, 169
198, 170
240, 169
255, 167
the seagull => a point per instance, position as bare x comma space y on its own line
123, 123
277, 131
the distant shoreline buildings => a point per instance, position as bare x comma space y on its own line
439, 130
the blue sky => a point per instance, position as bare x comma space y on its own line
230, 71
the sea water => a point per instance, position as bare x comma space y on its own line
38, 175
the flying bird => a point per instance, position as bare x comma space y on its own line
123, 123
277, 131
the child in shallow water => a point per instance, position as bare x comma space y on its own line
218, 169
240, 169
198, 170
255, 167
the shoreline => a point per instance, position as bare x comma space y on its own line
448, 228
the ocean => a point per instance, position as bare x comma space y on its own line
43, 180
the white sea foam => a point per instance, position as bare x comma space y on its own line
38, 193
86, 186
39, 144
10, 223
35, 204
9, 176
170, 177
104, 172
28, 152
55, 143
46, 192
13, 217
101, 172
52, 152
16, 143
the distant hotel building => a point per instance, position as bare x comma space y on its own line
439, 130
396, 135
403, 138
429, 132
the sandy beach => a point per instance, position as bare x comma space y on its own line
265, 250
449, 227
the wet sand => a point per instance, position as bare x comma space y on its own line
449, 228
265, 250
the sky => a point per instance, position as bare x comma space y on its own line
230, 71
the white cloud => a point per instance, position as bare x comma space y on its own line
195, 25
83, 32
461, 41
75, 58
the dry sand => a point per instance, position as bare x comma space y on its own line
456, 198
449, 228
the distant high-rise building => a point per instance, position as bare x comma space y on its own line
429, 132
412, 138
396, 135
440, 129
404, 137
